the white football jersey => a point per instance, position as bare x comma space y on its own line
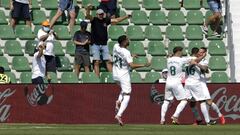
38, 66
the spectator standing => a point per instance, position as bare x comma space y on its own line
99, 36
109, 7
20, 9
4, 79
82, 40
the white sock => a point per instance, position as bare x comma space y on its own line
164, 109
180, 108
205, 112
124, 105
120, 97
216, 109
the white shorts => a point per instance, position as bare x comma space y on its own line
124, 82
175, 89
198, 91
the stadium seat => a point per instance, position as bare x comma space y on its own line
75, 29
62, 32
135, 33
12, 77
53, 77
153, 33
90, 77
217, 63
50, 4
139, 17
1, 52
193, 44
58, 50
5, 4
151, 77
30, 47
157, 17
205, 4
36, 29
110, 46
174, 33
156, 48
191, 4
136, 47
13, 48
173, 44
4, 63
61, 20
194, 32
106, 77
210, 34
158, 63
6, 32
151, 4
35, 5
24, 32
3, 18
26, 77
80, 17
38, 17
69, 77
176, 17
194, 17
95, 3
130, 4
63, 64
70, 48
171, 4
115, 31
124, 22
20, 64
141, 60
217, 47
135, 77
219, 77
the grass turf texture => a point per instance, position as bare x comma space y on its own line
31, 129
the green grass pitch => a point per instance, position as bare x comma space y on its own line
45, 129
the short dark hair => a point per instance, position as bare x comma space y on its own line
177, 49
204, 48
1, 70
194, 50
121, 39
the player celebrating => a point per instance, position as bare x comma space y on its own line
122, 62
174, 87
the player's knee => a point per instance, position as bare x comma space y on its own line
209, 102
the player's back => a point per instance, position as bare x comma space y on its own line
193, 73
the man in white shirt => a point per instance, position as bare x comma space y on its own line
122, 63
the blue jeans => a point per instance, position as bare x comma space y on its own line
66, 5
97, 49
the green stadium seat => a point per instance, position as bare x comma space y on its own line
194, 32
6, 32
171, 4
70, 48
139, 17
217, 63
136, 47
156, 48
194, 17
12, 77
157, 17
80, 17
158, 63
58, 50
95, 3
151, 4
192, 4
26, 77
124, 22
110, 46
174, 33
208, 14
35, 4
210, 34
90, 77
13, 48
69, 77
61, 20
75, 29
38, 16
5, 4
36, 28
24, 32
1, 52
63, 64
205, 4
152, 77
219, 77
4, 63
130, 4
115, 31
49, 4
53, 77
20, 64
217, 47
3, 18
62, 32
30, 47
197, 44
141, 60
135, 77
106, 77
135, 33
153, 33
176, 17
173, 44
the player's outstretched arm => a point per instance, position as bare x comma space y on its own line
119, 19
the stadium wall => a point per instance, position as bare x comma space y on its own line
94, 104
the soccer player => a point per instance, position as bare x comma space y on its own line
122, 63
174, 87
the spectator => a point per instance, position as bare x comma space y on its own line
109, 7
4, 79
65, 5
164, 76
82, 40
99, 36
39, 65
20, 9
216, 7
46, 35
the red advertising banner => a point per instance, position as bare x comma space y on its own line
94, 104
